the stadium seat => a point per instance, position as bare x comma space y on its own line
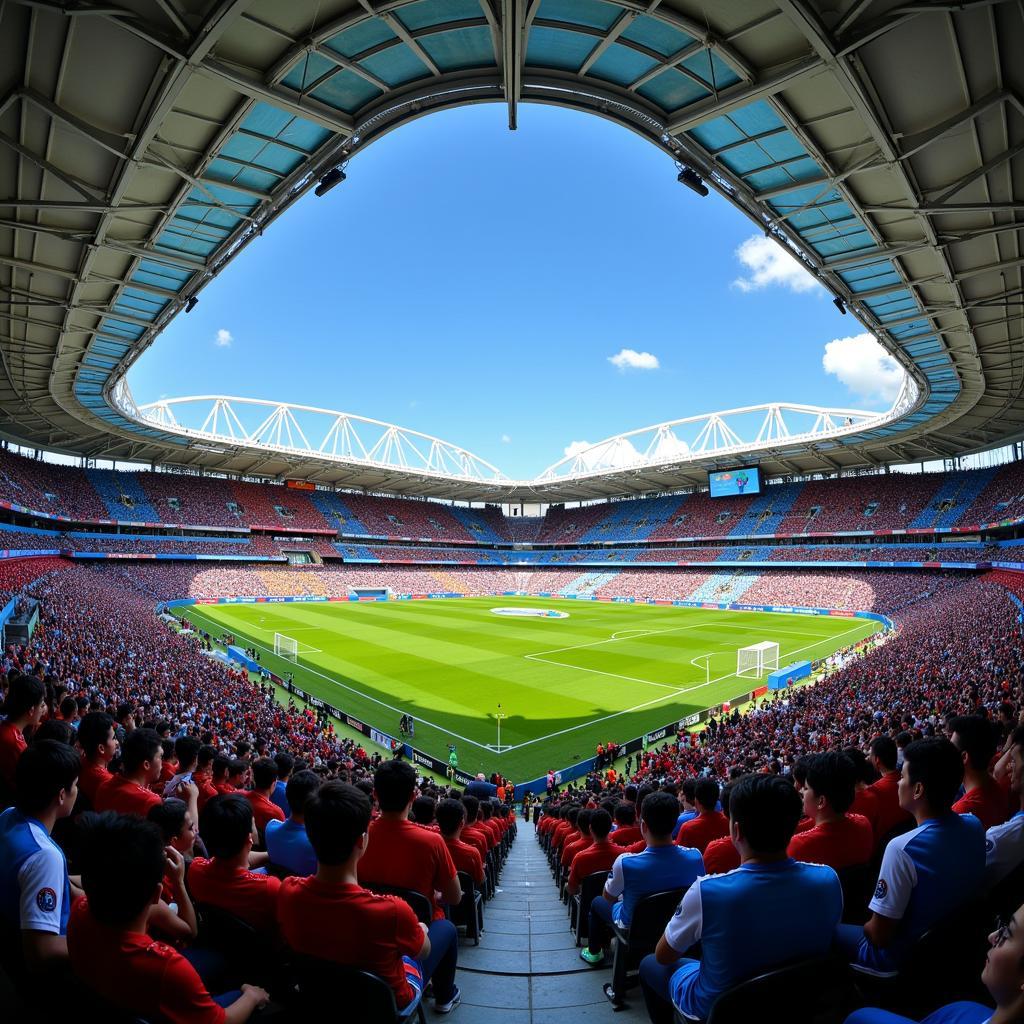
323, 986
421, 905
579, 905
856, 881
469, 913
650, 915
797, 993
247, 954
1008, 895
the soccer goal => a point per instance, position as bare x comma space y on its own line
757, 660
286, 646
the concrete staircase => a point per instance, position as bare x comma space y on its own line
527, 969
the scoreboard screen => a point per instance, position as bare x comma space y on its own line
727, 483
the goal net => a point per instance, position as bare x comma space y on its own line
757, 660
286, 646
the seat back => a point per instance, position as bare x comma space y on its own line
421, 905
243, 947
650, 915
855, 880
950, 956
1006, 896
321, 983
793, 993
464, 912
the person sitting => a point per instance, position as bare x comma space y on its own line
25, 708
451, 816
288, 846
975, 739
837, 839
721, 855
575, 843
1004, 844
769, 911
424, 811
98, 744
35, 892
927, 873
627, 831
687, 807
470, 832
264, 779
402, 854
888, 813
203, 775
123, 863
662, 865
285, 766
709, 823
331, 916
224, 880
600, 855
141, 763
186, 755
179, 828
1003, 976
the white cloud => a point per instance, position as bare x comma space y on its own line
505, 439
224, 338
630, 359
769, 264
864, 367
610, 455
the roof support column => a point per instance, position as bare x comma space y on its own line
513, 31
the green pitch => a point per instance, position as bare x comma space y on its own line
606, 671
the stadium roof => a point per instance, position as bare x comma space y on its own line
143, 143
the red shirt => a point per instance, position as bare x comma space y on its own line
401, 853
207, 790
598, 856
466, 858
125, 796
246, 894
12, 743
721, 856
837, 844
699, 831
574, 846
477, 829
137, 973
625, 835
90, 778
476, 840
986, 802
888, 813
865, 803
496, 830
352, 926
263, 810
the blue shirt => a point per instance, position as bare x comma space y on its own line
682, 820
955, 1013
657, 869
289, 847
750, 920
927, 874
34, 890
278, 797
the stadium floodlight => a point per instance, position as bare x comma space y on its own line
191, 303
692, 180
839, 304
335, 176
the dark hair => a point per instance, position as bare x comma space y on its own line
264, 773
977, 739
724, 796
94, 730
659, 811
583, 820
169, 817
207, 755
472, 805
300, 787
336, 816
706, 793
861, 764
884, 748
42, 771
221, 764
935, 764
689, 789
139, 745
24, 693
122, 860
625, 813
834, 777
450, 815
226, 824
394, 783
600, 823
1017, 737
55, 729
186, 749
236, 766
285, 763
767, 809
68, 706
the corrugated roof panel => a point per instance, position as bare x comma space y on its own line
621, 64
657, 35
593, 13
555, 48
710, 68
362, 37
438, 12
396, 65
672, 90
306, 70
459, 49
347, 91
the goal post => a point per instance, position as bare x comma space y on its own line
757, 660
286, 647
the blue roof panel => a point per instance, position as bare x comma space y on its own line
555, 48
459, 49
621, 64
593, 13
437, 12
657, 35
359, 38
396, 65
672, 90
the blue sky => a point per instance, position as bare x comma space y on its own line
477, 284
